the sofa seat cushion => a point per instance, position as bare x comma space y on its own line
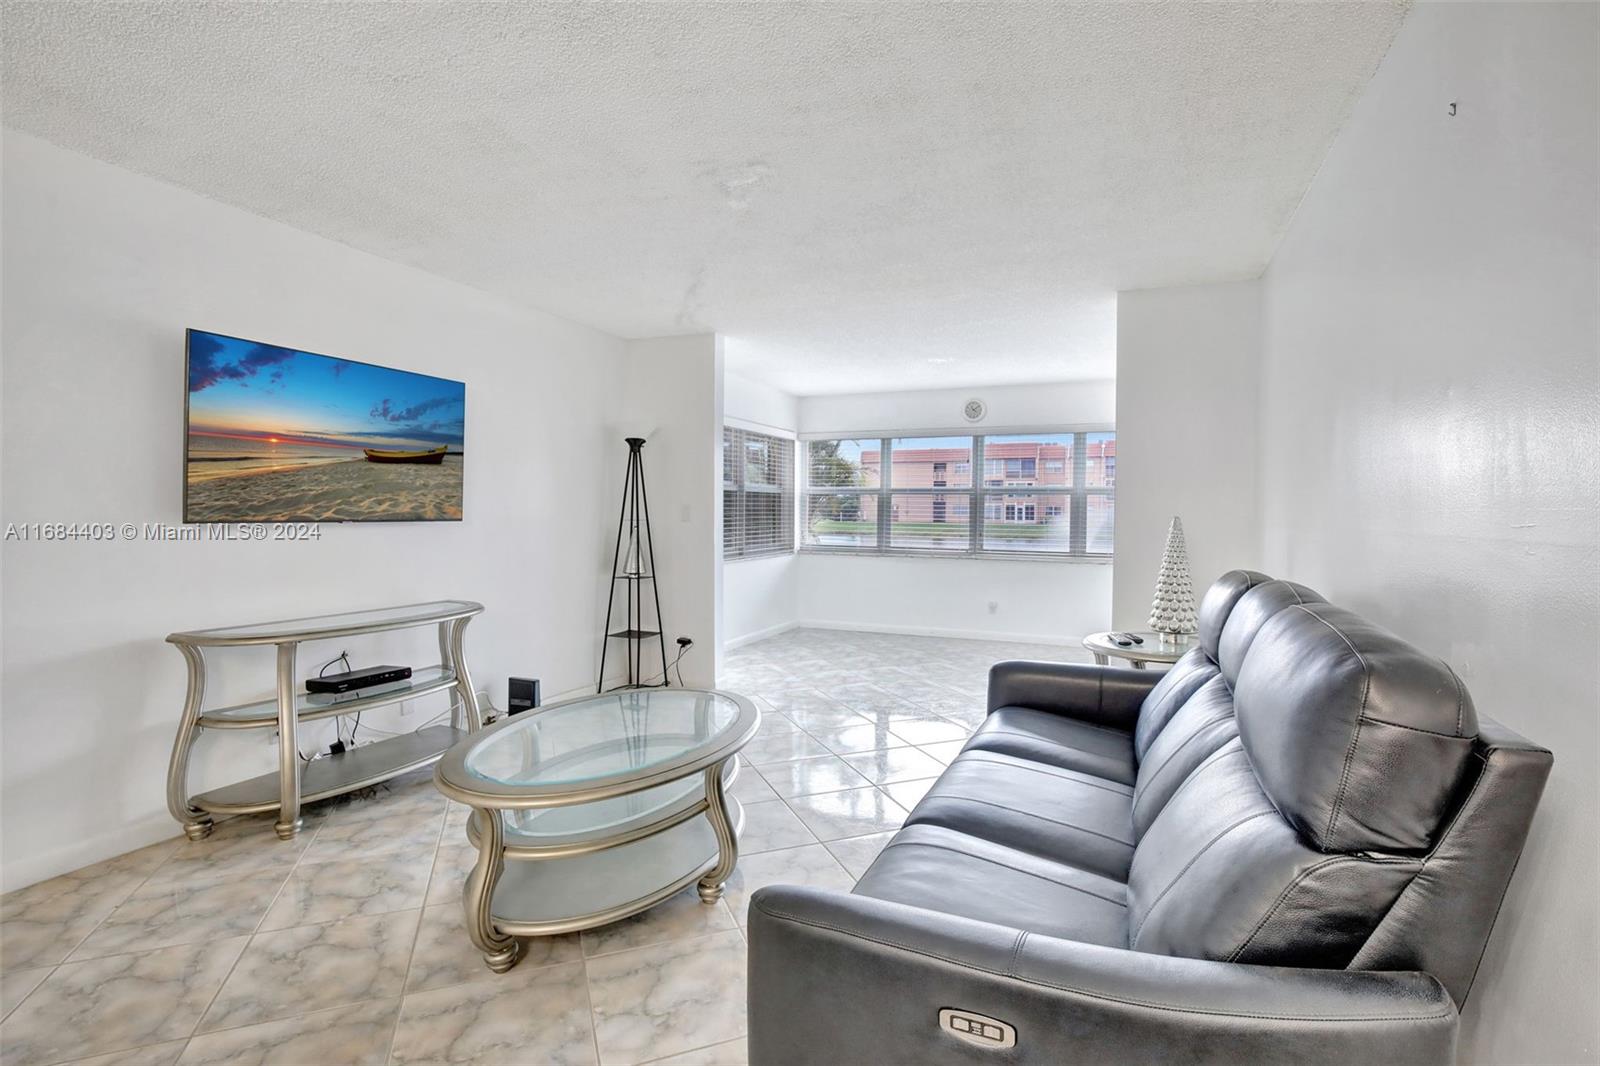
1043, 737
954, 873
1057, 814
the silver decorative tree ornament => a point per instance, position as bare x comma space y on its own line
1172, 612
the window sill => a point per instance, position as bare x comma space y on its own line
911, 553
779, 554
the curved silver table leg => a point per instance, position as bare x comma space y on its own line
447, 660
499, 950
289, 820
727, 842
458, 662
196, 823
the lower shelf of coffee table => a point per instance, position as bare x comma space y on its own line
544, 897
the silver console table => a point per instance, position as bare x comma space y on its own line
589, 810
294, 784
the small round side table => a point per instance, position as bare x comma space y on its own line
1155, 649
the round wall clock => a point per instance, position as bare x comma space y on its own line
974, 410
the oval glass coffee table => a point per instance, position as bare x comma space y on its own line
589, 810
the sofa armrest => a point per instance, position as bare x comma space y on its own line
837, 978
1099, 695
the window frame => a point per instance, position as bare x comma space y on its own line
734, 548
977, 495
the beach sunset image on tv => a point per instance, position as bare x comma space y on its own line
279, 435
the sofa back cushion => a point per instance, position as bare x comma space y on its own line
1202, 725
1182, 680
1199, 665
1250, 612
1218, 602
1358, 738
1220, 874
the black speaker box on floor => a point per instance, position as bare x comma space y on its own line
524, 694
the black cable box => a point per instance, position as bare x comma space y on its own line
354, 679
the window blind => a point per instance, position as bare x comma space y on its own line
757, 494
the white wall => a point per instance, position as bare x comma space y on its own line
1042, 602
1188, 365
760, 597
1056, 601
1429, 434
759, 406
103, 269
1009, 406
672, 396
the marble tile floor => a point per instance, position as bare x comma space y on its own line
346, 945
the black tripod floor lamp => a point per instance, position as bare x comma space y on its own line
633, 568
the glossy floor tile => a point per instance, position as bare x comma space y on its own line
853, 813
43, 923
284, 972
349, 888
122, 1001
535, 1016
855, 854
163, 1054
165, 914
860, 737
804, 777
908, 793
683, 915
730, 1053
15, 985
895, 764
668, 998
443, 955
770, 826
781, 748
347, 944
359, 1034
809, 864
750, 787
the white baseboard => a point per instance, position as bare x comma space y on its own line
85, 851
760, 634
1068, 640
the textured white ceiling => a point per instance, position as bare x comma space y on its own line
858, 196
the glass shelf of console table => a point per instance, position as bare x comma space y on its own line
293, 784
359, 767
590, 810
311, 706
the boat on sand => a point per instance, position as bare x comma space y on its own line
430, 456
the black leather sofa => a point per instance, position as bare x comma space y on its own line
1290, 847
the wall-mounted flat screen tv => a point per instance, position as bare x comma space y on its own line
280, 435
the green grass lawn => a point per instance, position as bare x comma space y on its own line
1019, 532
